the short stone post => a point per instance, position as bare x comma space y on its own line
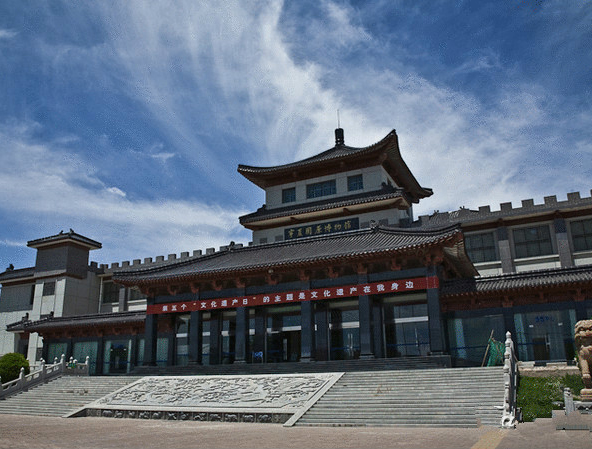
21, 381
42, 374
583, 338
63, 364
568, 401
87, 363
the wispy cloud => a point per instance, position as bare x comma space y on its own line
7, 34
48, 181
13, 243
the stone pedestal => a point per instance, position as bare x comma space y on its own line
583, 338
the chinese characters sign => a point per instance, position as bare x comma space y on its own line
375, 288
321, 228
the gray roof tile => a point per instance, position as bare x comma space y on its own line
516, 281
359, 244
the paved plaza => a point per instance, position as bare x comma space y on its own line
48, 432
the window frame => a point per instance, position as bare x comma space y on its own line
523, 246
584, 234
49, 288
355, 182
289, 195
482, 249
320, 189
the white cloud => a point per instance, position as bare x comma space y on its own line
44, 184
116, 191
7, 34
238, 66
13, 243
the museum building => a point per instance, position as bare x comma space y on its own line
337, 269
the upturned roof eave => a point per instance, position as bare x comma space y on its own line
261, 176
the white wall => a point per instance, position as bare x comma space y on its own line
373, 177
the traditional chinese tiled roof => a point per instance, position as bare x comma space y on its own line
345, 156
50, 323
21, 273
63, 237
518, 281
358, 245
387, 192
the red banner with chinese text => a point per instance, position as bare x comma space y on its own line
374, 288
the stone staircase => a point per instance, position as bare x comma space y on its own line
391, 364
63, 395
456, 397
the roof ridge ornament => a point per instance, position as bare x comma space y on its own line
339, 139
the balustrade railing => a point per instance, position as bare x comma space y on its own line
509, 413
44, 374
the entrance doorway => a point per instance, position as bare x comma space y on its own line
406, 327
283, 334
283, 346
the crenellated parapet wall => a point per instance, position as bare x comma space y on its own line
506, 210
149, 262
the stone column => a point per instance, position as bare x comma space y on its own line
307, 333
437, 345
150, 339
259, 355
101, 353
195, 337
215, 337
322, 335
505, 251
365, 315
563, 248
123, 299
241, 335
378, 330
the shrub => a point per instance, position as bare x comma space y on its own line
10, 366
538, 396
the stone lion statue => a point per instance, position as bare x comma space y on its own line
583, 337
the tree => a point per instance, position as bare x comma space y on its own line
10, 366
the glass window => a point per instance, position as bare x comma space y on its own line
355, 183
49, 288
545, 335
530, 242
321, 189
55, 351
581, 234
469, 337
32, 298
84, 349
110, 292
117, 356
289, 195
481, 247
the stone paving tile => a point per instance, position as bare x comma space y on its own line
48, 432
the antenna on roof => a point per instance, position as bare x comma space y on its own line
338, 132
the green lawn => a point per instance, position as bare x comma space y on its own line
536, 394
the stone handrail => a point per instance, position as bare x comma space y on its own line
510, 384
43, 375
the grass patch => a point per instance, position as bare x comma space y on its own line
536, 395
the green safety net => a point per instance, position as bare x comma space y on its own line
496, 352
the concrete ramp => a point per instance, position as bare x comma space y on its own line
271, 398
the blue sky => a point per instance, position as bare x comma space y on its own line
126, 121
